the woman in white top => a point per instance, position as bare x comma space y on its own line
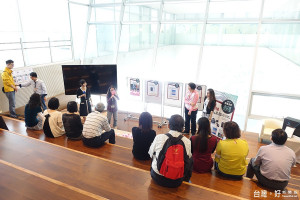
53, 124
209, 103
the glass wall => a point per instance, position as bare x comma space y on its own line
235, 46
34, 32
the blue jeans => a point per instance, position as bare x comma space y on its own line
43, 101
115, 115
12, 103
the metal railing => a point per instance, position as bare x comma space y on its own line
48, 44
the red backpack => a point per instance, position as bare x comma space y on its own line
172, 159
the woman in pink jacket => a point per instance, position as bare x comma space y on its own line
191, 108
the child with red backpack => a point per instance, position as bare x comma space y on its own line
171, 155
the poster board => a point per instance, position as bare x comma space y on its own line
223, 112
22, 75
173, 94
134, 87
153, 91
201, 89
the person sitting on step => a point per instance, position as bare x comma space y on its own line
53, 124
231, 153
203, 145
33, 113
171, 155
143, 137
72, 122
272, 164
94, 125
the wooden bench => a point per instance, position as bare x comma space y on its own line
92, 174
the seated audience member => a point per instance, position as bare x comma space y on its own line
72, 122
231, 153
203, 145
94, 125
53, 124
273, 163
171, 155
143, 137
33, 113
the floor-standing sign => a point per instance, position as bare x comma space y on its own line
223, 112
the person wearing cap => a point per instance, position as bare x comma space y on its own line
38, 86
95, 124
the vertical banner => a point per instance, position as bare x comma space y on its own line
153, 92
135, 86
201, 89
22, 76
173, 94
223, 112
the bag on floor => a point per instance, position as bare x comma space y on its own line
46, 127
172, 158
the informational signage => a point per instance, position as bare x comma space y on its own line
223, 112
173, 94
153, 92
135, 86
22, 76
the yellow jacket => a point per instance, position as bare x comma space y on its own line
8, 80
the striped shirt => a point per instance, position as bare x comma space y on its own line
94, 125
191, 98
38, 86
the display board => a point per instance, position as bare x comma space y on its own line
22, 76
153, 91
223, 112
173, 94
201, 89
135, 86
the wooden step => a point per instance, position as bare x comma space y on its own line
19, 183
95, 175
123, 155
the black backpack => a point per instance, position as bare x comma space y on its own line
46, 127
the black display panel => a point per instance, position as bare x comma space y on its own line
98, 77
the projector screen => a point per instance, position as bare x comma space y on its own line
98, 77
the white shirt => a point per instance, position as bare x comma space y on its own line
205, 105
38, 86
275, 161
158, 144
55, 123
94, 124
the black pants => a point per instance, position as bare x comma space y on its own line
237, 177
100, 140
190, 119
165, 182
252, 169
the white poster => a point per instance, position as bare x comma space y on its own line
135, 86
173, 94
223, 112
153, 92
22, 75
173, 91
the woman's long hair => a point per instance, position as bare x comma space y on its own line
212, 97
146, 122
35, 101
202, 135
108, 94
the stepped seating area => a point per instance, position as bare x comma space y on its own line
106, 172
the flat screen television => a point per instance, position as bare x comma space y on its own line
98, 77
